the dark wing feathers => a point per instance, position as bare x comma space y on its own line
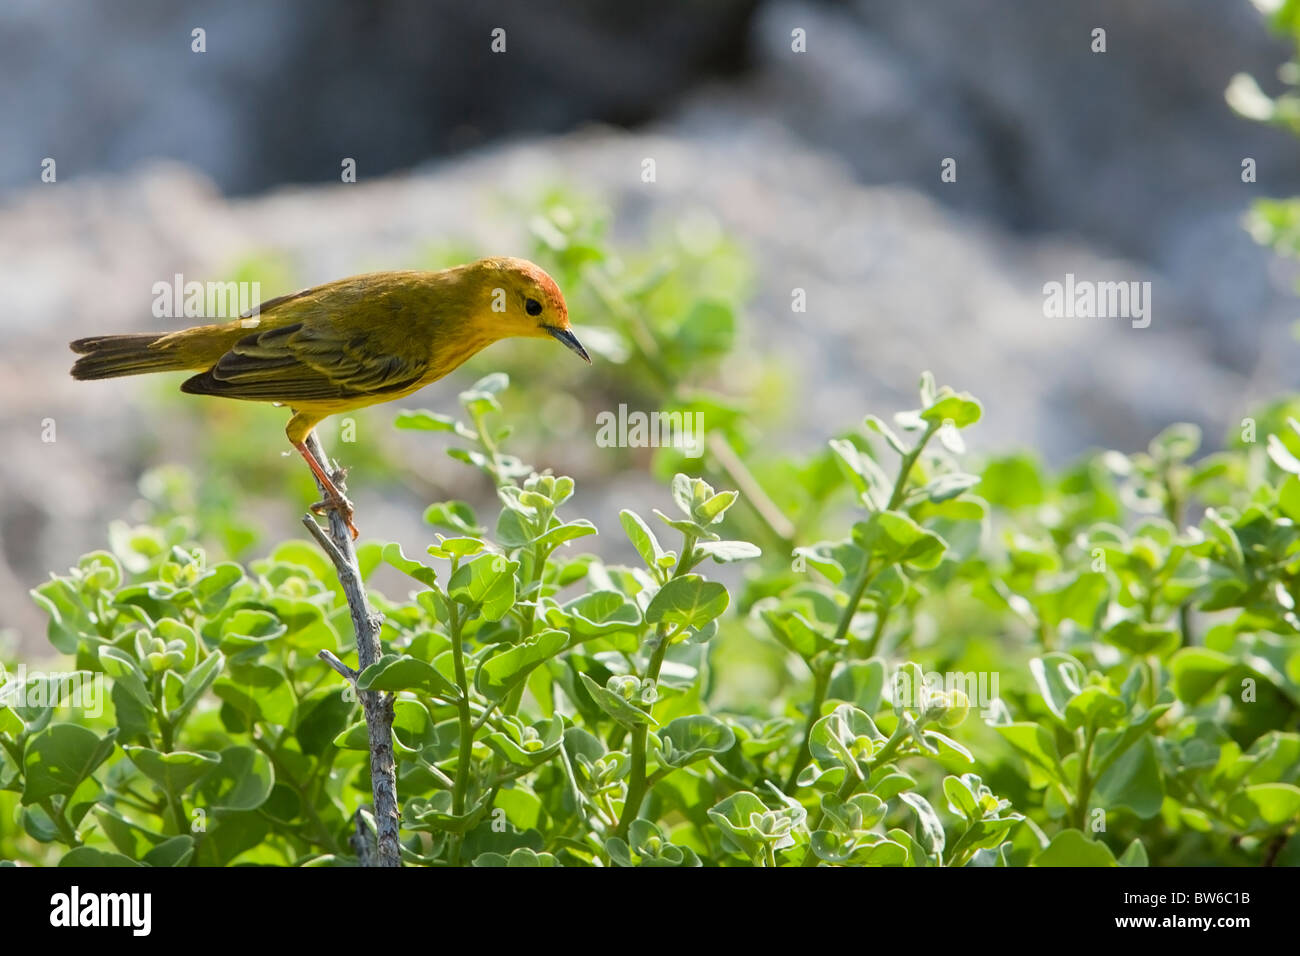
305, 362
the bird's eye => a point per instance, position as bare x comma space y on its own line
533, 307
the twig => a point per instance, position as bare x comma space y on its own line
378, 706
347, 673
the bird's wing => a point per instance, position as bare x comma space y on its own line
307, 361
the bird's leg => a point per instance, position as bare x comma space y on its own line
334, 499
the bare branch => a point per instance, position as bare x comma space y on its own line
378, 707
346, 672
323, 539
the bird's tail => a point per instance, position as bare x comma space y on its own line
109, 356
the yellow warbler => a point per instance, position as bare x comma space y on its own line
346, 344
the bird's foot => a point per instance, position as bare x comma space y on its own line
335, 500
342, 506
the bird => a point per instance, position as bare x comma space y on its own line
346, 344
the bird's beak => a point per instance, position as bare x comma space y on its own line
570, 341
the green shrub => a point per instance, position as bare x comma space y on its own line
1118, 686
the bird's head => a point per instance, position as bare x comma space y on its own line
520, 299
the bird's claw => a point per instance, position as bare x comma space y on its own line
343, 507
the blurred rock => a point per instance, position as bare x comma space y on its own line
1134, 149
286, 90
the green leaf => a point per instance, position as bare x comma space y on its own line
712, 510
960, 408
927, 388
643, 539
178, 851
1072, 848
250, 627
196, 682
1111, 743
735, 816
522, 857
1135, 854
394, 672
174, 771
867, 477
1275, 804
260, 692
1282, 457
241, 781
1035, 744
902, 540
949, 486
1133, 781
479, 403
60, 757
623, 711
688, 492
1141, 639
929, 829
493, 383
692, 528
212, 590
10, 722
89, 856
421, 420
458, 547
1012, 482
961, 799
1176, 443
499, 674
844, 737
1059, 678
1222, 533
859, 812
486, 583
696, 737
455, 516
1094, 707
126, 673
527, 746
797, 633
392, 555
1197, 671
687, 601
321, 716
68, 618
724, 552
561, 533
620, 709
597, 613
1288, 498
859, 683
880, 428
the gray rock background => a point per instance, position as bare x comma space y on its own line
825, 165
